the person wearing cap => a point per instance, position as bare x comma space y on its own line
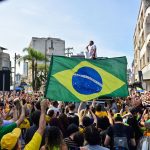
8, 128
11, 140
120, 132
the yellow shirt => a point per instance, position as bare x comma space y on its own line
81, 130
101, 114
35, 142
47, 118
25, 124
124, 113
7, 108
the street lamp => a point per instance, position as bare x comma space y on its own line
47, 52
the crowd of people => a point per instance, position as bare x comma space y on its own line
30, 122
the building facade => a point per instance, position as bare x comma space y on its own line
4, 59
21, 71
48, 46
142, 44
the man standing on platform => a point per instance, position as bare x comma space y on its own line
91, 51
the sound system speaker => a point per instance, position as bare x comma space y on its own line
140, 76
5, 80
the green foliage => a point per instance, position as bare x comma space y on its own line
33, 54
34, 57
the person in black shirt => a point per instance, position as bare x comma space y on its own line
30, 132
72, 117
71, 130
120, 135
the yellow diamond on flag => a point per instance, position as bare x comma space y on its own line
87, 81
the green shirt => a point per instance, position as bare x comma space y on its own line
6, 129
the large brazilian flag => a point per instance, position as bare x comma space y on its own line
79, 79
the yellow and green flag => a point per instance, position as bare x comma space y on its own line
79, 79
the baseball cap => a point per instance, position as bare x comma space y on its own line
9, 140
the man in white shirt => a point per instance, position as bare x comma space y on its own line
91, 51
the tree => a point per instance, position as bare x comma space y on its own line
34, 57
41, 74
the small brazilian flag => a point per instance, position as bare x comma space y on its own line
79, 79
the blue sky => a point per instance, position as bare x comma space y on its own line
110, 23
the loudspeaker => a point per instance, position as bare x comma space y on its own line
5, 78
140, 76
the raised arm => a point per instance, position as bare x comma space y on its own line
22, 116
42, 122
110, 117
36, 140
15, 114
79, 108
94, 117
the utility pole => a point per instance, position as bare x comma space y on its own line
46, 52
16, 57
15, 71
68, 53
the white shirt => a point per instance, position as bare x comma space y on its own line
56, 110
89, 53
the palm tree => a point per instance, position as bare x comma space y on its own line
33, 56
41, 75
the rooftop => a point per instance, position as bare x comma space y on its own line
2, 48
58, 39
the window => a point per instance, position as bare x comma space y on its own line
143, 60
6, 63
142, 40
139, 29
25, 69
142, 19
148, 59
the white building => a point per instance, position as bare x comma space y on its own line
21, 71
142, 44
47, 46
